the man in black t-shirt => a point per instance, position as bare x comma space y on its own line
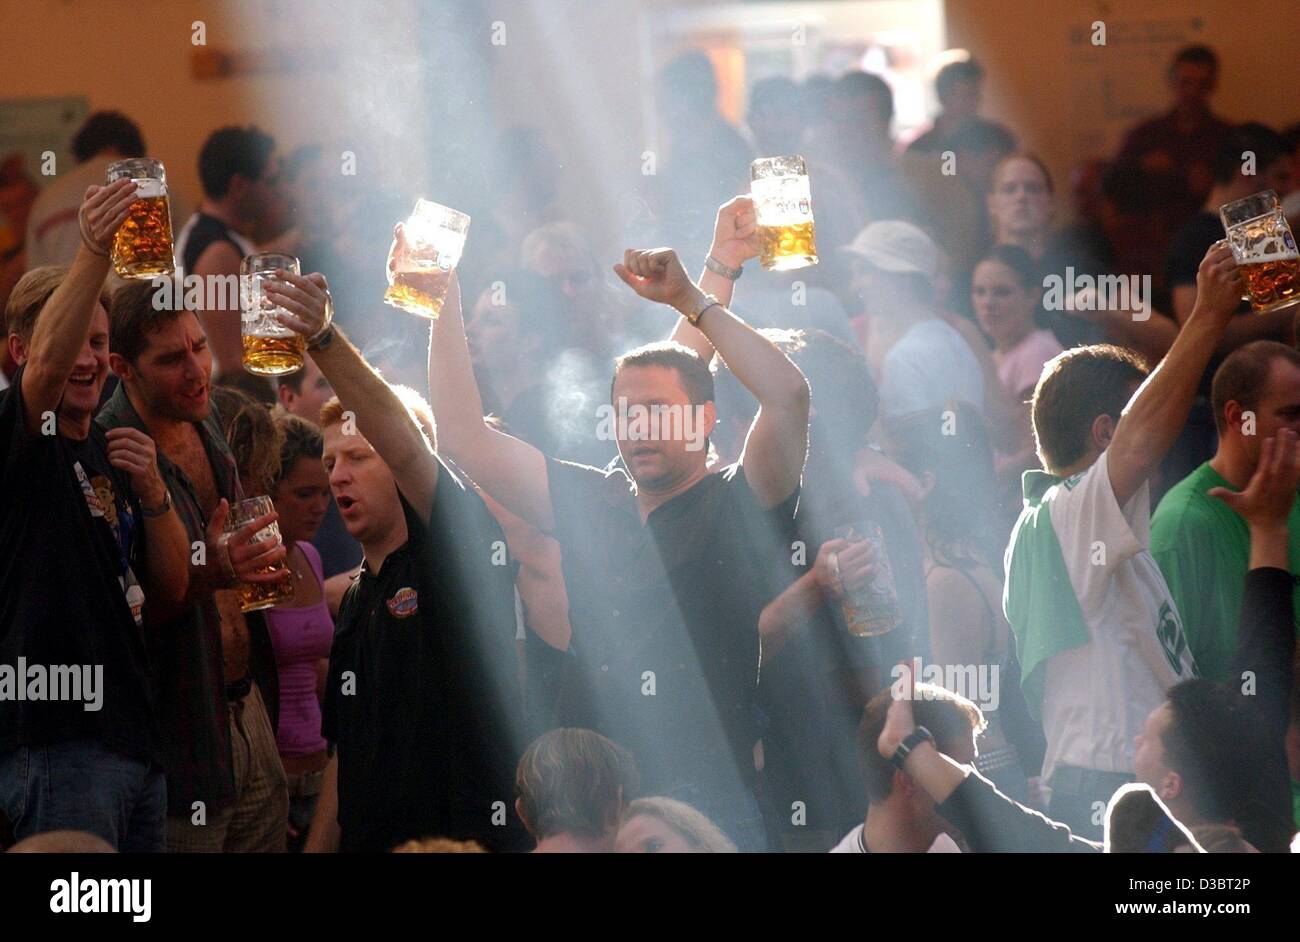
664, 562
422, 700
91, 553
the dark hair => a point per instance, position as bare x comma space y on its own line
1077, 386
1243, 376
692, 372
1137, 823
953, 720
104, 130
1018, 260
568, 781
953, 74
842, 389
1259, 139
137, 311
962, 506
866, 84
299, 439
1204, 743
230, 151
258, 388
688, 83
1195, 55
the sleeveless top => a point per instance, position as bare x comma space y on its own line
301, 637
200, 231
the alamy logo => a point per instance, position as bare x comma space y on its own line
978, 683
1075, 292
63, 682
76, 895
653, 423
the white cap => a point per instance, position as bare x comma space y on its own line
895, 246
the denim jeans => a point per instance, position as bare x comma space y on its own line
82, 786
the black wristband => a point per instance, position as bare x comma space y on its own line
910, 742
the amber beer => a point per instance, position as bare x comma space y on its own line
419, 272
1264, 249
142, 247
259, 595
270, 348
1272, 282
783, 204
872, 610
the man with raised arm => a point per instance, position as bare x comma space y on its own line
663, 561
1099, 637
92, 558
421, 699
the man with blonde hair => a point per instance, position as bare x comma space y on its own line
421, 698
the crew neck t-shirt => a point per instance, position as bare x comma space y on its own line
1203, 549
69, 595
929, 367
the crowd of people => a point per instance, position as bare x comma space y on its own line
912, 558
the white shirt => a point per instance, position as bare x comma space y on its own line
930, 366
853, 844
53, 234
1097, 697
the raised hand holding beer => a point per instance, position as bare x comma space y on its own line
1218, 283
304, 301
103, 210
735, 232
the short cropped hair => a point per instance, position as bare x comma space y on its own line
135, 313
1203, 743
954, 721
692, 371
953, 74
30, 296
416, 407
1243, 376
574, 781
232, 150
1195, 55
692, 826
1075, 387
866, 85
104, 130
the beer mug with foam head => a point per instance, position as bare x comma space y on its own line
142, 247
1265, 250
783, 204
418, 277
270, 348
258, 595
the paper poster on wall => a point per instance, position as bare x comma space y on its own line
1116, 84
30, 127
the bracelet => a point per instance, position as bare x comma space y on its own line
698, 308
910, 742
85, 238
726, 271
151, 513
325, 336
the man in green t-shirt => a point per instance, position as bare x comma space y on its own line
1203, 546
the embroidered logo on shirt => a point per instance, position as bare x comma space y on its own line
404, 603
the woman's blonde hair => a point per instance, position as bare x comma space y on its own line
695, 829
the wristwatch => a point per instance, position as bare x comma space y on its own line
153, 512
698, 308
323, 338
726, 271
910, 742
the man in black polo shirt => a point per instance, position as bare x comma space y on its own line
664, 563
83, 514
421, 700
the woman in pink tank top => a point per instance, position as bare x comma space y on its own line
301, 629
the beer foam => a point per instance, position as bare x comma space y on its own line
150, 187
1270, 257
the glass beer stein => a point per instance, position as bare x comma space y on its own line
418, 276
270, 348
142, 247
872, 610
783, 203
254, 596
1265, 250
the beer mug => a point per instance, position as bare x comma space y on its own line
783, 203
254, 596
418, 277
142, 247
270, 348
872, 610
1265, 250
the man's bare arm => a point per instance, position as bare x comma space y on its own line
381, 416
735, 241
